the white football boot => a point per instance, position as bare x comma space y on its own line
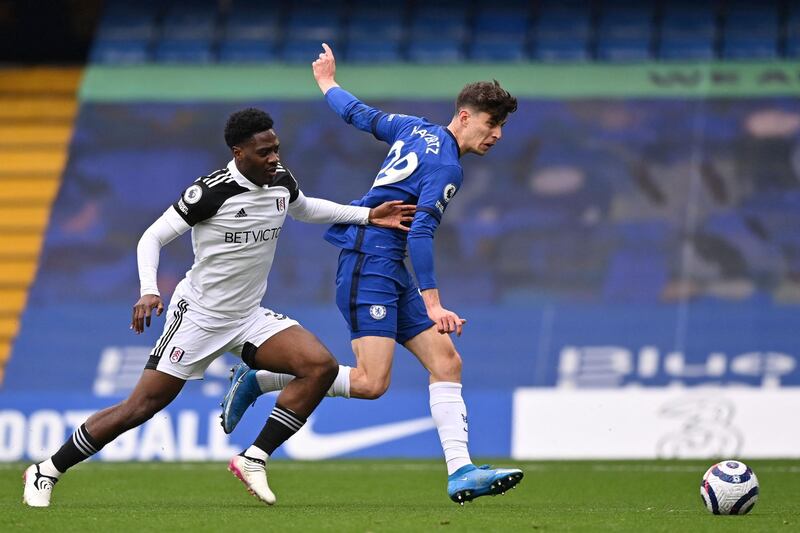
253, 473
38, 487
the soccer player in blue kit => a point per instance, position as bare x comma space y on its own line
375, 292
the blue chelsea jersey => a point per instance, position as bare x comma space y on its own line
422, 168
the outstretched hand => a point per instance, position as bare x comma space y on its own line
324, 69
392, 215
142, 311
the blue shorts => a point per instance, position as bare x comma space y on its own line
378, 297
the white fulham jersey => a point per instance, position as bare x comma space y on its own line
235, 228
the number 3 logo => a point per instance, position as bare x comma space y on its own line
398, 168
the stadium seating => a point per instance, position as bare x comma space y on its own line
750, 31
447, 31
37, 109
625, 33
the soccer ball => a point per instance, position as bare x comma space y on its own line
729, 487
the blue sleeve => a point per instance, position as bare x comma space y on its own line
383, 126
439, 189
420, 249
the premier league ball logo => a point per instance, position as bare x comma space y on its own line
449, 191
193, 194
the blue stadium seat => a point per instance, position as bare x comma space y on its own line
625, 32
436, 51
488, 50
687, 48
374, 25
184, 51
118, 52
688, 31
505, 5
749, 47
680, 22
562, 33
373, 51
626, 23
560, 49
246, 51
434, 24
137, 29
320, 24
127, 22
303, 50
500, 24
566, 24
252, 23
622, 49
189, 23
545, 5
750, 31
793, 33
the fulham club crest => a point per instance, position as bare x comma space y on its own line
280, 203
176, 355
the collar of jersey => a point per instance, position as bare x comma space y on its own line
239, 177
455, 142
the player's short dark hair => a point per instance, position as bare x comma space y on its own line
244, 124
489, 97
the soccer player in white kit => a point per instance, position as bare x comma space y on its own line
236, 215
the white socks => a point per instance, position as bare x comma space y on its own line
49, 469
271, 381
450, 416
254, 452
341, 385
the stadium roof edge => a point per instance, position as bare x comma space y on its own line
433, 82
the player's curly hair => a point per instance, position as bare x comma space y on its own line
489, 97
244, 124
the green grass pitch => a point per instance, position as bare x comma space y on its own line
395, 495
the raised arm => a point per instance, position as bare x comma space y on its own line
383, 126
325, 69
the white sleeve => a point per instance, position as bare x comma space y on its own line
321, 211
169, 226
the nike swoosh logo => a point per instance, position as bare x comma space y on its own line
307, 444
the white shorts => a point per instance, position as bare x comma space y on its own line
191, 341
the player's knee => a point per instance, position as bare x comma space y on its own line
375, 388
330, 369
454, 362
323, 367
447, 367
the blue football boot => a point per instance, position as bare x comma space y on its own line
470, 482
242, 393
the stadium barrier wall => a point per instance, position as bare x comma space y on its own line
666, 423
